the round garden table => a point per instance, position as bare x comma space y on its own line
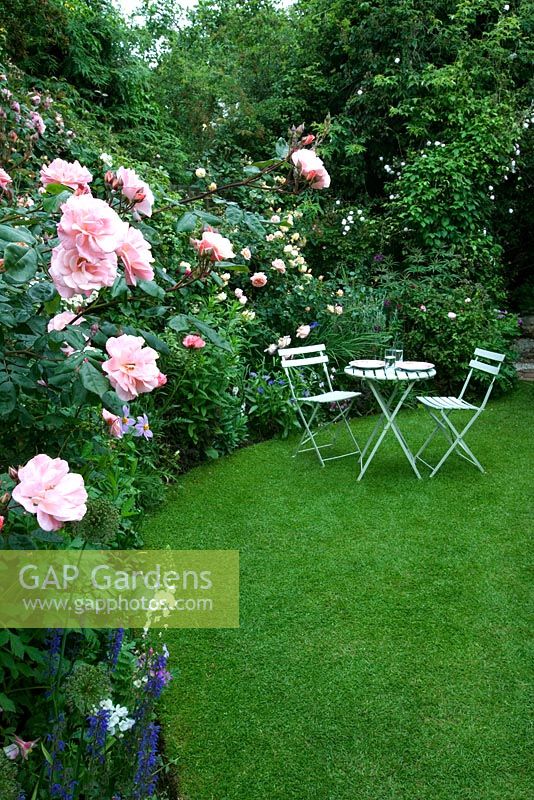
401, 382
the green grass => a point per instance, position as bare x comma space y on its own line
382, 652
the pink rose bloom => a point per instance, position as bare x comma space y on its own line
69, 174
73, 274
246, 253
114, 423
258, 280
213, 244
37, 122
303, 331
91, 227
5, 180
279, 266
48, 489
135, 254
193, 341
136, 189
60, 321
132, 368
162, 379
312, 168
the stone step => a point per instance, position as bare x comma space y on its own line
525, 370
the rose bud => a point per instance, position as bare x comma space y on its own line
109, 176
13, 473
308, 139
4, 500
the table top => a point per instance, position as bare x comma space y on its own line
390, 374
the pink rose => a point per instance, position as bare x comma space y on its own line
91, 227
258, 280
48, 489
114, 423
303, 331
73, 274
136, 190
5, 180
279, 266
246, 253
136, 256
213, 244
60, 321
193, 341
69, 174
162, 379
132, 368
2, 522
37, 122
312, 168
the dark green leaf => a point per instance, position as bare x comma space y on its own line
151, 288
186, 223
20, 262
42, 292
10, 234
154, 341
282, 148
57, 188
53, 203
8, 397
6, 704
93, 380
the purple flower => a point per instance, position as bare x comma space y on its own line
261, 390
97, 731
115, 643
378, 257
127, 421
145, 777
253, 374
387, 303
54, 637
142, 427
313, 325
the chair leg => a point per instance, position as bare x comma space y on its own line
458, 441
307, 429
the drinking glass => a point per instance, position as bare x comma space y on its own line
399, 352
389, 358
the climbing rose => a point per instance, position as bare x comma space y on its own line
73, 274
60, 321
193, 341
48, 489
246, 253
213, 244
90, 227
136, 256
69, 174
37, 122
113, 422
4, 179
136, 190
279, 266
312, 168
258, 280
131, 368
303, 331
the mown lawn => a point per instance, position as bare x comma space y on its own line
383, 648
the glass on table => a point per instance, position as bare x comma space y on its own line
389, 358
399, 352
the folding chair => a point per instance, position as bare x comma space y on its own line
314, 355
440, 408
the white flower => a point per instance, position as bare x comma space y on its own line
490, 188
106, 159
360, 91
284, 228
331, 308
303, 331
510, 210
338, 309
295, 237
221, 296
451, 315
288, 248
506, 7
269, 237
238, 293
185, 264
275, 218
467, 300
248, 314
245, 252
243, 299
278, 265
284, 341
278, 235
200, 172
225, 277
271, 350
397, 60
289, 218
492, 197
343, 222
340, 292
212, 186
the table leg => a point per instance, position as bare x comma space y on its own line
389, 417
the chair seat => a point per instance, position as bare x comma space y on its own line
330, 397
447, 404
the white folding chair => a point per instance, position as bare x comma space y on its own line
440, 408
297, 358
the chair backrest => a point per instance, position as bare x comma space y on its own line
306, 356
484, 361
